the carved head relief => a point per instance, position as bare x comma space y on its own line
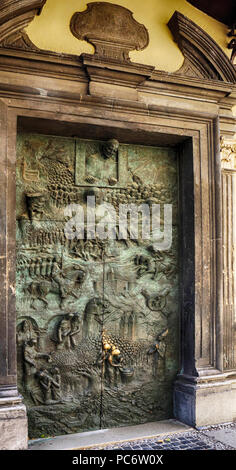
110, 148
35, 204
111, 29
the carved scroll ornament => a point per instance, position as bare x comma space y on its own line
111, 29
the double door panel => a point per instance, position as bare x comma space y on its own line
97, 305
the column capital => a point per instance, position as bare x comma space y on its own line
228, 153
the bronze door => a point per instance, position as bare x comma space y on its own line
97, 301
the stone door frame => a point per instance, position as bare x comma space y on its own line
200, 291
66, 95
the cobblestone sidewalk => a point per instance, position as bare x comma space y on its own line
191, 440
165, 435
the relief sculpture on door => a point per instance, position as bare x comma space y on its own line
97, 317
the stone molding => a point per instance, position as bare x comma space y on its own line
19, 40
203, 57
208, 400
228, 181
15, 15
52, 93
13, 427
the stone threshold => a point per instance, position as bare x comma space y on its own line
103, 437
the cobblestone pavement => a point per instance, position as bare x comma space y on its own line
191, 440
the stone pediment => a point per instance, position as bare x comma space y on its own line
114, 32
203, 56
15, 16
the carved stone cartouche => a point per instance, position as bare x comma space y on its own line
111, 29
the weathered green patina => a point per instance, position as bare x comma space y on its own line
98, 319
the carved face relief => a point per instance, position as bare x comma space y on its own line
35, 204
110, 148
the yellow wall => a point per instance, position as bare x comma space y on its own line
51, 29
